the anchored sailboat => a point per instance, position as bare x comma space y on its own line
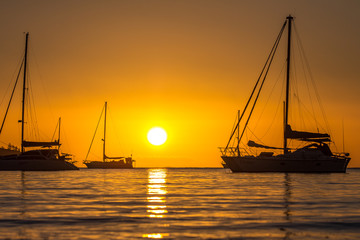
108, 162
315, 157
47, 156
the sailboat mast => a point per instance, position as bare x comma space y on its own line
289, 18
23, 94
59, 133
104, 156
238, 135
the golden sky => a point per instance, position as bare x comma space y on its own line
186, 66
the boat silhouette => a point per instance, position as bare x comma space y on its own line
315, 157
43, 156
108, 162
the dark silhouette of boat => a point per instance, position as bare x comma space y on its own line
47, 156
10, 150
108, 162
315, 157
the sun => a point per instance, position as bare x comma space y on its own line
157, 136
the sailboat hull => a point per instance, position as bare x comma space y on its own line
279, 164
35, 160
36, 165
109, 165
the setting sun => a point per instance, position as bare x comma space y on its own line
157, 136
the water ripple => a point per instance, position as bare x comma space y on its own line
178, 204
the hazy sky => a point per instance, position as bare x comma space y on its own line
186, 66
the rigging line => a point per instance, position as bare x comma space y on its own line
343, 136
18, 66
42, 83
255, 136
309, 113
300, 111
12, 94
114, 130
32, 111
247, 137
267, 101
294, 89
315, 89
233, 127
27, 110
295, 93
258, 94
64, 139
57, 124
257, 82
94, 133
113, 125
303, 59
246, 148
278, 106
302, 122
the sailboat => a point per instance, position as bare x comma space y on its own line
315, 157
46, 155
108, 162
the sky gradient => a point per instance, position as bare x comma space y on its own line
186, 66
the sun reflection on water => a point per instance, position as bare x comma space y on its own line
155, 235
156, 198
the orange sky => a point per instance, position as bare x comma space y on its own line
186, 66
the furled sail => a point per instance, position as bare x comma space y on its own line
254, 144
318, 140
289, 133
40, 144
106, 157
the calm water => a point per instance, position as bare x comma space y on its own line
178, 204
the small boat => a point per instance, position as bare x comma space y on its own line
314, 156
47, 156
108, 162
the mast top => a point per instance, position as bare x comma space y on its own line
286, 110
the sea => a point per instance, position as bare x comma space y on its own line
178, 203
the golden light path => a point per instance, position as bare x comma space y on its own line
157, 136
156, 198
